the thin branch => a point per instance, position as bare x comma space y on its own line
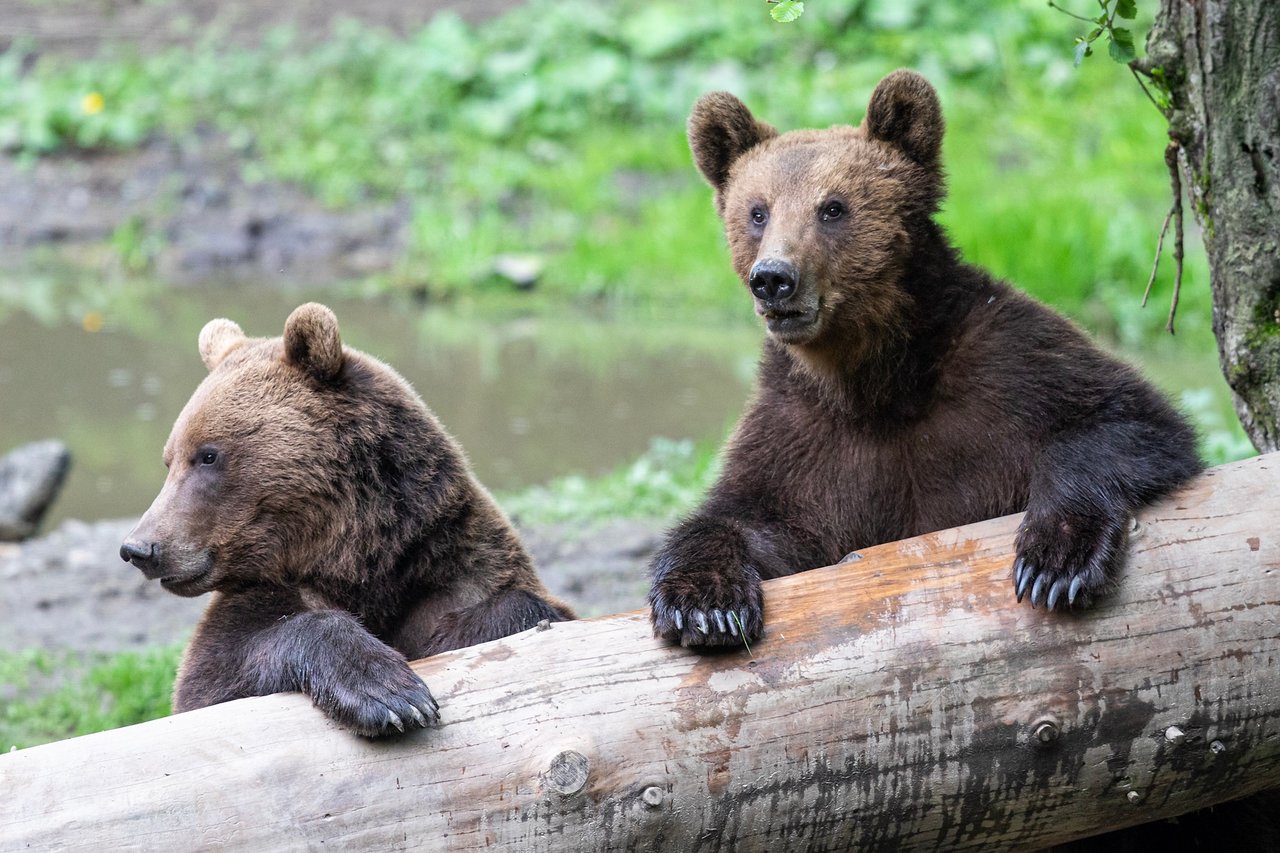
1053, 5
1145, 90
1155, 266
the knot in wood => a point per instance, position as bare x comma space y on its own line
1045, 731
1217, 747
567, 773
1134, 797
652, 796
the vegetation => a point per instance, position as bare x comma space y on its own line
558, 130
46, 697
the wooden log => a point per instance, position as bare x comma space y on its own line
903, 701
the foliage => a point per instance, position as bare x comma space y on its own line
1119, 39
666, 480
65, 695
786, 11
557, 130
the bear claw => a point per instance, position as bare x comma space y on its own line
1065, 591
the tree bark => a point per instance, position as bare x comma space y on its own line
902, 701
1221, 62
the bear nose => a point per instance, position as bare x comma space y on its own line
141, 554
773, 280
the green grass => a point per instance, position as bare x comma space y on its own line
46, 697
665, 481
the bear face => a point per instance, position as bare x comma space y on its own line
901, 390
818, 221
338, 526
252, 461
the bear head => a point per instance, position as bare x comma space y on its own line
819, 222
257, 460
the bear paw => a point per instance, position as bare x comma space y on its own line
1068, 559
706, 607
382, 698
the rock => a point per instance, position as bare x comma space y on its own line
521, 270
30, 478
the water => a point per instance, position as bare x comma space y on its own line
529, 399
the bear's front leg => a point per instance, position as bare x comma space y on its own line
261, 642
706, 585
1086, 487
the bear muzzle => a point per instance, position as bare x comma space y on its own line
790, 311
144, 555
189, 575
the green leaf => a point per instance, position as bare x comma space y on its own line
786, 11
1127, 9
1121, 46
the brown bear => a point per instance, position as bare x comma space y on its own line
338, 526
900, 390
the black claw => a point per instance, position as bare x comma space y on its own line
1028, 573
700, 621
1037, 591
719, 619
733, 623
1055, 591
679, 620
742, 621
1076, 583
1019, 569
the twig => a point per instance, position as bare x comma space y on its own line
1069, 13
1145, 90
1159, 249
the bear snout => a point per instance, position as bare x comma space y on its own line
144, 555
773, 280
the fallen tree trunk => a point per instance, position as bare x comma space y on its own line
903, 701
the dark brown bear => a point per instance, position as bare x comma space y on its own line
337, 525
901, 390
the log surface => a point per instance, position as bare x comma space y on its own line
903, 701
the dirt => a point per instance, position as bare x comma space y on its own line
69, 589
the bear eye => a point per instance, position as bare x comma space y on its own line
207, 457
759, 216
832, 211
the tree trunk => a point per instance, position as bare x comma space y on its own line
1221, 62
899, 702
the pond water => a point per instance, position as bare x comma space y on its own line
530, 399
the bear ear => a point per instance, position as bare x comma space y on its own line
311, 341
722, 129
904, 111
217, 338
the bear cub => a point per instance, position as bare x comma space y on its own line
900, 390
337, 525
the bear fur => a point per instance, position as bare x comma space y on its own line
900, 390
337, 525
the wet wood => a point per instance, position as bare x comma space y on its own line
903, 701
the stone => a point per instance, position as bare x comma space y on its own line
30, 477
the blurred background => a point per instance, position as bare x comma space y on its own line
497, 198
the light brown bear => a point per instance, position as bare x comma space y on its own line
337, 525
901, 390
